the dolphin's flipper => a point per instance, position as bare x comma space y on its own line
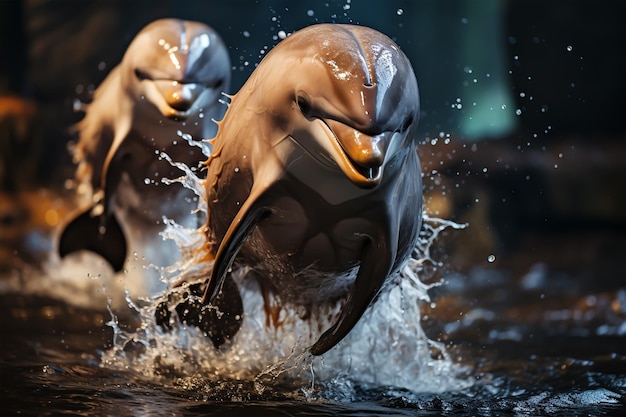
241, 226
100, 234
219, 312
375, 266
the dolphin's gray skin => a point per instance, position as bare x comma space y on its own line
314, 176
169, 80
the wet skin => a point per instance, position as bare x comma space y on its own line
314, 180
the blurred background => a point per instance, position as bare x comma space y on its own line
522, 138
522, 126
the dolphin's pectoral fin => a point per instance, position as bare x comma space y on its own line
100, 234
241, 226
219, 311
221, 307
373, 271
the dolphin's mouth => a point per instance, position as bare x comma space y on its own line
359, 174
369, 173
178, 99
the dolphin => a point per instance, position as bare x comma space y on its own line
314, 182
169, 81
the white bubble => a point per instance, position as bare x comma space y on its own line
246, 34
491, 258
282, 34
569, 48
399, 12
310, 12
77, 105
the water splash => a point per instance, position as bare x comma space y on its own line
388, 347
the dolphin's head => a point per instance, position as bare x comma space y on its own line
346, 94
181, 67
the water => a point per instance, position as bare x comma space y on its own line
499, 346
52, 364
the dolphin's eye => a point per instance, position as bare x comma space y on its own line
141, 75
304, 105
